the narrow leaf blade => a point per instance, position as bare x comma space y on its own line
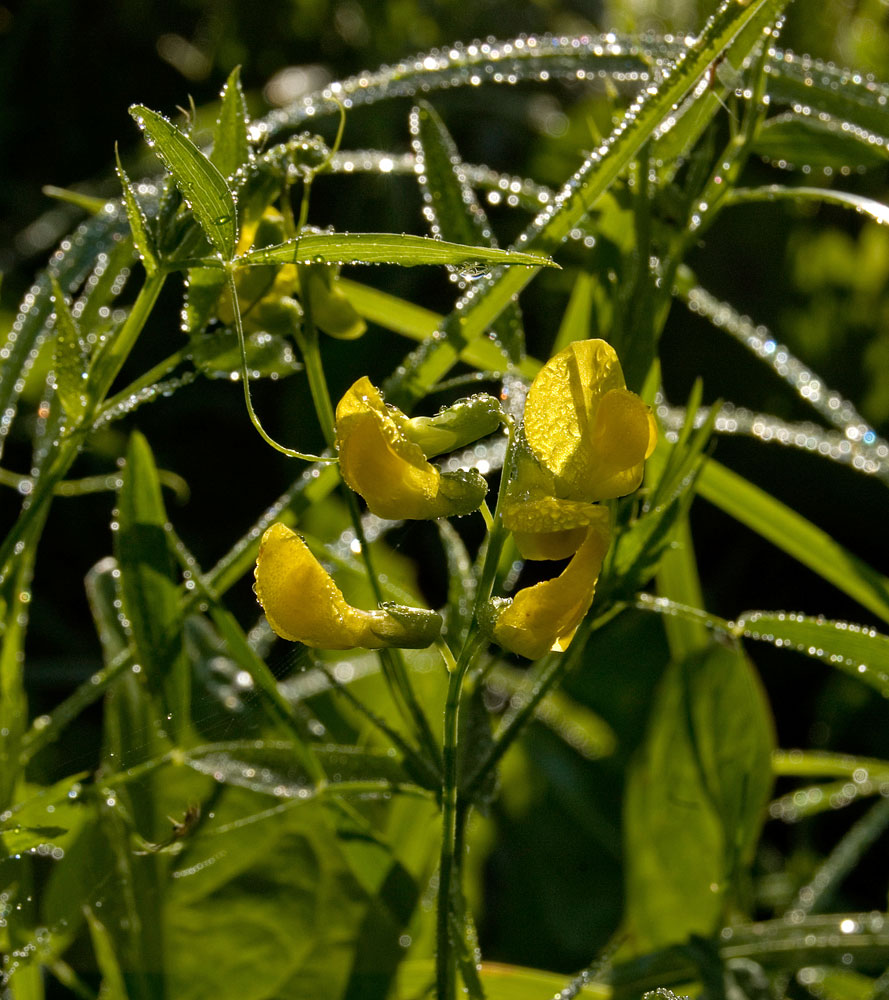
142, 239
384, 248
230, 146
69, 358
202, 185
855, 649
148, 585
795, 535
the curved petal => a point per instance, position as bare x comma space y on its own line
546, 616
303, 604
379, 462
550, 528
583, 424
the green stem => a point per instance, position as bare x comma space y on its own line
393, 667
155, 374
245, 379
449, 864
452, 808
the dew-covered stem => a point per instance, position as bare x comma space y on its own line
245, 379
392, 663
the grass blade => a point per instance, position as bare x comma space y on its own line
854, 649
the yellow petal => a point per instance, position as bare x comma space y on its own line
583, 424
550, 528
379, 462
303, 604
546, 616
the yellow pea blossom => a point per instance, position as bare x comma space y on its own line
303, 604
585, 439
546, 616
379, 461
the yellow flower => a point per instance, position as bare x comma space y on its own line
586, 438
303, 604
546, 616
380, 462
585, 426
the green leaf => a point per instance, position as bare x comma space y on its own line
696, 797
113, 985
841, 93
273, 903
869, 207
854, 649
273, 767
218, 354
203, 286
70, 358
419, 323
230, 146
500, 981
824, 764
795, 141
142, 238
203, 187
796, 536
699, 108
576, 320
148, 584
678, 581
16, 839
475, 313
453, 209
384, 248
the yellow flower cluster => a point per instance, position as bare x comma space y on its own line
584, 439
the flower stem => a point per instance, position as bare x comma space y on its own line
245, 378
393, 667
450, 861
454, 810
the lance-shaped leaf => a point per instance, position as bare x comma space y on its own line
798, 140
148, 585
142, 238
857, 650
69, 358
452, 208
873, 209
230, 146
202, 185
384, 248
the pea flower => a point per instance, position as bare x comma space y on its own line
303, 604
381, 459
585, 438
545, 616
